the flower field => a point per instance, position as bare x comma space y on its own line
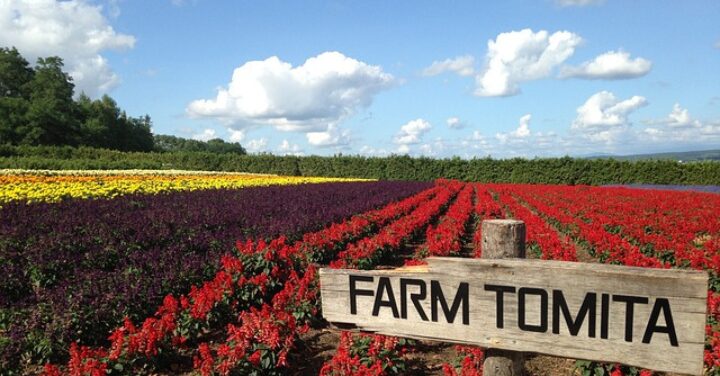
220, 282
53, 186
73, 269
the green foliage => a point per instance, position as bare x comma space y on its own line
51, 118
37, 108
15, 73
15, 77
590, 368
548, 171
216, 145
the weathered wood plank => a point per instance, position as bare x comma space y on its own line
503, 238
677, 294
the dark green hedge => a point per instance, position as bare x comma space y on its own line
548, 170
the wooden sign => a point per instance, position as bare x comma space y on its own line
650, 318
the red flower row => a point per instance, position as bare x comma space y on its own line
368, 251
444, 239
254, 276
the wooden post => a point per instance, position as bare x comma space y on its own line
503, 238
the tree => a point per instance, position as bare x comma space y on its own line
52, 113
139, 135
105, 125
15, 75
216, 145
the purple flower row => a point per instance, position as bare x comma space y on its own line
73, 270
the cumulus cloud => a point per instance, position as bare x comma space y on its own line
455, 123
311, 97
288, 148
612, 65
477, 136
524, 55
522, 131
697, 134
257, 145
412, 132
603, 110
476, 142
205, 135
678, 118
427, 149
462, 65
711, 130
372, 151
237, 136
75, 30
403, 149
578, 3
435, 148
333, 136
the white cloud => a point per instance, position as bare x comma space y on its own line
693, 132
412, 132
680, 117
524, 55
205, 135
462, 65
603, 110
711, 130
476, 142
578, 3
312, 97
426, 149
333, 136
653, 132
455, 123
434, 149
403, 149
612, 65
371, 151
522, 131
236, 136
477, 136
75, 30
257, 145
287, 148
677, 118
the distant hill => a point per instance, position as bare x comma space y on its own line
685, 156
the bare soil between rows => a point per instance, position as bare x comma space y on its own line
318, 345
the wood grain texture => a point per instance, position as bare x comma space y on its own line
503, 238
686, 292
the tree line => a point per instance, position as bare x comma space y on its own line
564, 170
38, 107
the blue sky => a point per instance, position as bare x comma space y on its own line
507, 78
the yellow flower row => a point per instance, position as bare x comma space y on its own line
52, 186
